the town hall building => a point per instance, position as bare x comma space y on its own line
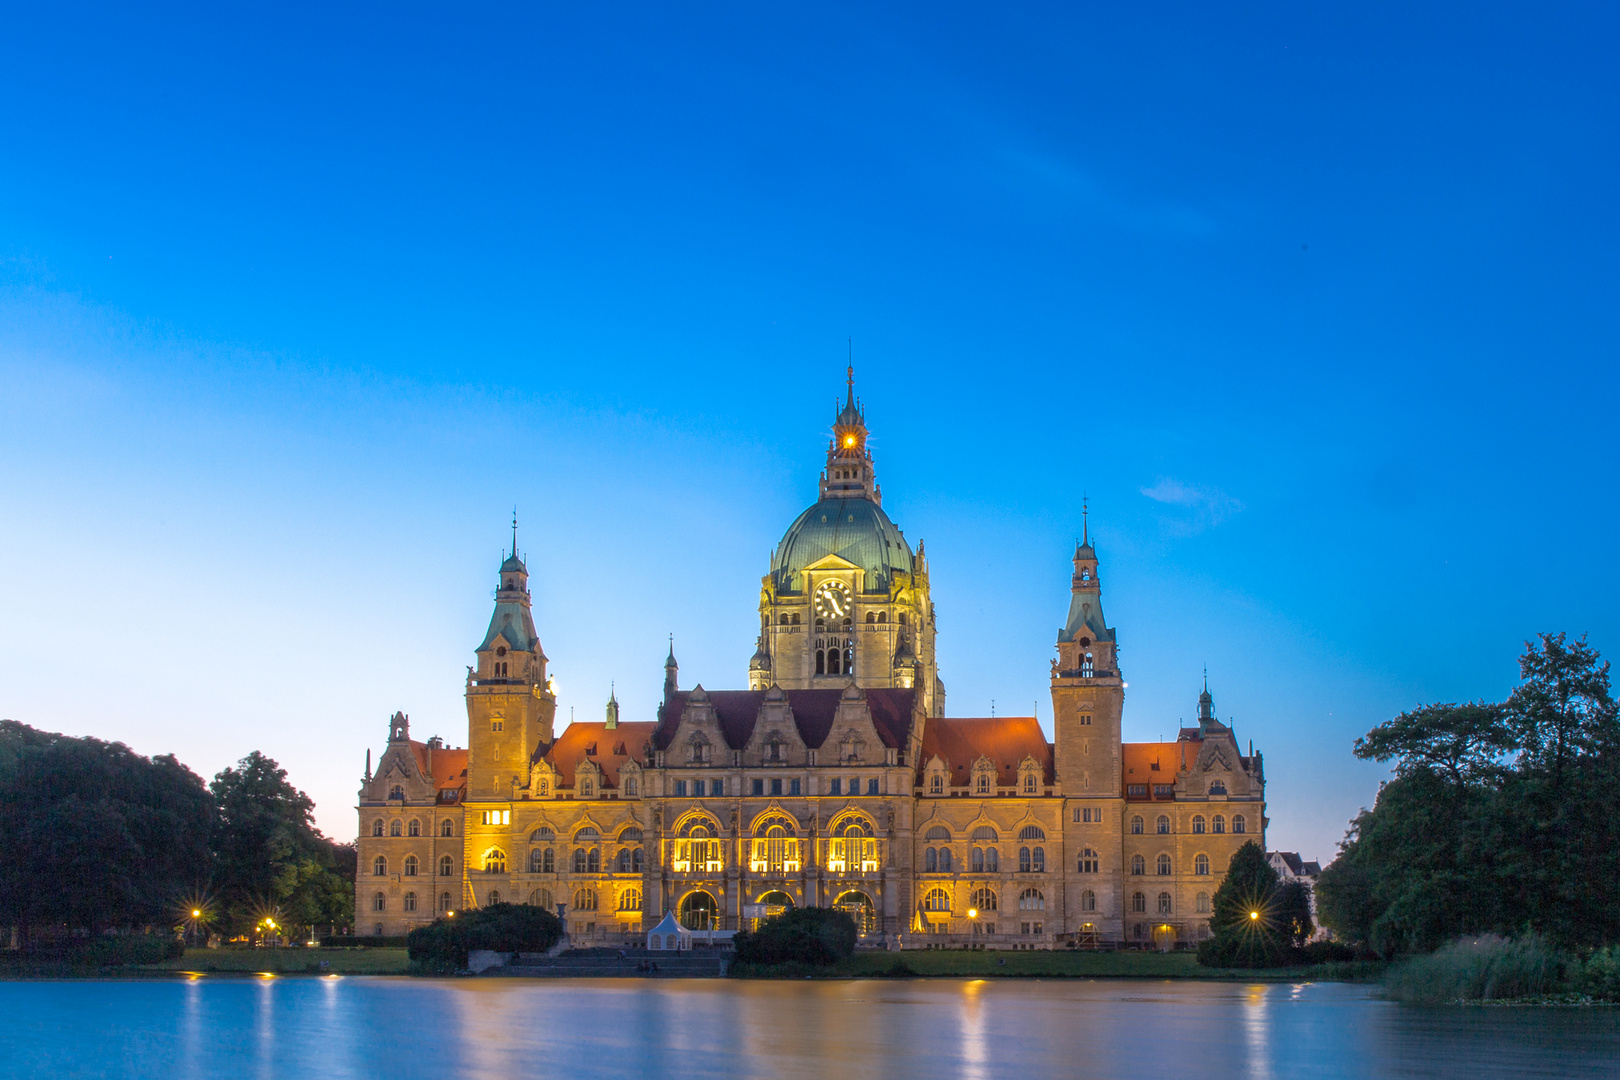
834, 779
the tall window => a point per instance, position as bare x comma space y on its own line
409, 901
937, 900
593, 861
1203, 903
1198, 824
579, 860
635, 860
377, 827
945, 860
393, 828
415, 828
984, 783
936, 784
379, 866
1029, 783
447, 866
697, 851
853, 850
1040, 860
621, 862
930, 861
1201, 865
410, 866
1139, 902
444, 901
585, 900
1164, 865
379, 902
1238, 824
1163, 825
540, 898
1031, 900
1088, 862
494, 897
630, 900
447, 828
1136, 826
1088, 901
776, 851
1164, 903
1220, 824
537, 861
1138, 865
630, 786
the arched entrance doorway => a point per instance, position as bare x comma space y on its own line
699, 911
859, 907
768, 906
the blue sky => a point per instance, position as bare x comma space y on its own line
1317, 306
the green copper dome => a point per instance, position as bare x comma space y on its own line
856, 530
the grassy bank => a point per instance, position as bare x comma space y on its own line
289, 962
1501, 970
1055, 965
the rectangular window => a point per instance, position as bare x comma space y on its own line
497, 817
793, 787
697, 788
872, 786
680, 789
1164, 791
717, 788
1136, 791
833, 786
776, 785
759, 787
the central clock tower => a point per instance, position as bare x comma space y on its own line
847, 599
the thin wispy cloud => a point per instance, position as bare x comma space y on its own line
1199, 508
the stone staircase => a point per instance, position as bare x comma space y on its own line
606, 964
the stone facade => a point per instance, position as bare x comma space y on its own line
834, 779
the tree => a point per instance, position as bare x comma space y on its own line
1562, 710
445, 942
808, 935
1463, 743
1253, 922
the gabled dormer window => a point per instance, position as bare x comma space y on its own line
396, 792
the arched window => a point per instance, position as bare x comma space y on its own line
377, 827
409, 901
1032, 832
494, 861
1087, 668
585, 900
984, 783
593, 861
1163, 825
396, 792
1164, 903
1238, 824
883, 616
494, 897
1198, 824
821, 662
635, 860
986, 832
1031, 900
447, 866
630, 787
1220, 824
871, 617
937, 900
621, 862
834, 660
938, 832
1023, 860
379, 902
410, 866
629, 899
1164, 865
930, 861
540, 898
542, 835
1217, 787
1088, 862
537, 860
945, 860
1138, 901
379, 866
1029, 783
984, 899
393, 828
936, 784
782, 621
414, 829
698, 911
1088, 901
853, 849
1201, 865
447, 828
1203, 903
579, 860
1138, 865
1040, 860
1136, 825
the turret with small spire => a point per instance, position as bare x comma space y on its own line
671, 672
1088, 694
849, 473
612, 709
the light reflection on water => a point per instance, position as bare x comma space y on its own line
498, 1029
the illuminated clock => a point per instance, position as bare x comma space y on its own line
832, 600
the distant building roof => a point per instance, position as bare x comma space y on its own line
813, 714
959, 741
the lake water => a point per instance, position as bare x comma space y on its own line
401, 1029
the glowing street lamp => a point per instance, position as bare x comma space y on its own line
1254, 915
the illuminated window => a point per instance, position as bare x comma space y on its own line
379, 866
1088, 901
494, 861
1201, 865
497, 817
410, 866
377, 827
1088, 862
1031, 900
630, 900
585, 900
1138, 865
409, 901
1164, 865
776, 851
587, 788
937, 900
853, 849
1220, 824
1164, 903
697, 851
394, 828
447, 866
1238, 824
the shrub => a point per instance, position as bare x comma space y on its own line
445, 942
1326, 952
363, 941
1600, 974
1485, 968
809, 935
115, 950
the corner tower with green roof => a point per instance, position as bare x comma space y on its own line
846, 599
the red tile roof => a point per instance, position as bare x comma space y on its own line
813, 713
593, 740
1006, 740
449, 767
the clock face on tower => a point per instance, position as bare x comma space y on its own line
832, 600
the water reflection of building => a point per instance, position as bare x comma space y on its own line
834, 779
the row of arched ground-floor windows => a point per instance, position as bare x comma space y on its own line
408, 902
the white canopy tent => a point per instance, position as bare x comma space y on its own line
669, 936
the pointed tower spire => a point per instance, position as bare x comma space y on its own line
612, 708
849, 473
671, 671
514, 532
